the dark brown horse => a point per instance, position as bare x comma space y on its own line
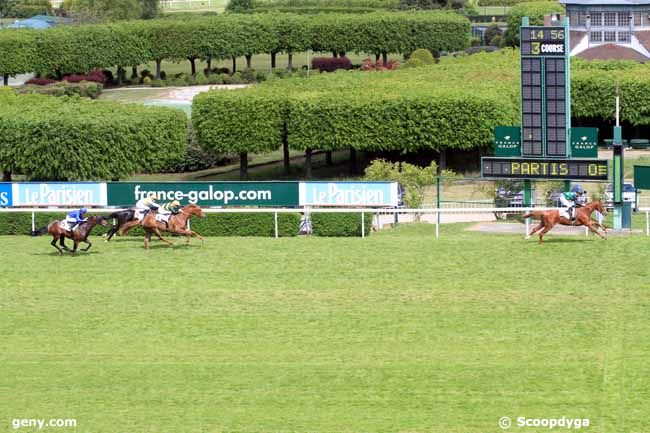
549, 218
177, 224
80, 234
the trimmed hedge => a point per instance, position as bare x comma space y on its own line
224, 224
72, 138
429, 107
535, 11
340, 224
75, 49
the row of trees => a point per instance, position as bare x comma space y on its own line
81, 48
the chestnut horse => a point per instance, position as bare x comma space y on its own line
177, 224
80, 234
549, 218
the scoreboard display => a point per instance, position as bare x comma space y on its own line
544, 91
544, 168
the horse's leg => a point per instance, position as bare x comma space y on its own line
591, 227
127, 226
157, 232
53, 243
74, 248
89, 245
147, 238
535, 229
547, 227
112, 232
62, 243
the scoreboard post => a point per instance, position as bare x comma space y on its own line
546, 143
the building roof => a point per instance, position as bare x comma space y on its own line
612, 52
606, 2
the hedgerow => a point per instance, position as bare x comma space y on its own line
78, 49
72, 138
221, 224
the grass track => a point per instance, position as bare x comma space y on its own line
397, 332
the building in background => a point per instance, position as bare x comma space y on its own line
609, 29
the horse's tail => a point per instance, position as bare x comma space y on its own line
40, 231
121, 213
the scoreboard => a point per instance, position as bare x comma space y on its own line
544, 91
544, 147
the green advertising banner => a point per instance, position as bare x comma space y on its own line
642, 176
584, 142
206, 193
507, 141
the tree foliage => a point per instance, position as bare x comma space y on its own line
72, 138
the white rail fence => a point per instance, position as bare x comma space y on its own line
377, 212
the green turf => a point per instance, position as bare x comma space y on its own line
395, 332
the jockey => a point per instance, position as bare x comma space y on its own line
75, 218
173, 208
145, 205
569, 200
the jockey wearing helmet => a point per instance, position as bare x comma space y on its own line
145, 205
168, 209
569, 200
75, 218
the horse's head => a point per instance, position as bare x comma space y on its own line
598, 206
95, 219
194, 210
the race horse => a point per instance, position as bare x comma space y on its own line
177, 224
80, 234
125, 221
550, 218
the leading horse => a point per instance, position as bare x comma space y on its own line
78, 235
177, 224
550, 218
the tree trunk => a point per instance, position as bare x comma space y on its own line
120, 75
290, 62
328, 158
193, 63
6, 176
353, 160
342, 54
5, 79
285, 150
442, 164
134, 72
158, 62
308, 164
209, 66
377, 55
243, 166
273, 55
384, 57
334, 54
234, 64
249, 58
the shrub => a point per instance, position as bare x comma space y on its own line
199, 79
109, 140
96, 76
340, 224
423, 55
84, 89
330, 64
414, 63
367, 65
249, 75
239, 5
413, 179
163, 75
491, 32
147, 81
40, 81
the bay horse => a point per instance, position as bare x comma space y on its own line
177, 224
80, 234
550, 218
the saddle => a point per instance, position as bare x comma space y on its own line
163, 218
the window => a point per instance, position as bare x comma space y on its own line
624, 36
597, 19
582, 18
596, 36
610, 19
637, 19
623, 19
610, 36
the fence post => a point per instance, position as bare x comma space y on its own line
527, 228
363, 226
34, 222
276, 223
647, 223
